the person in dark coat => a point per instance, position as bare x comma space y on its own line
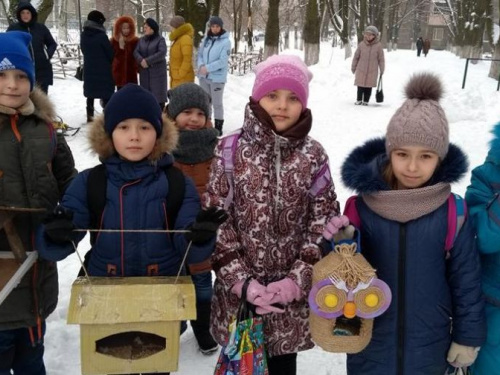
427, 46
42, 46
151, 55
36, 166
97, 59
436, 317
420, 45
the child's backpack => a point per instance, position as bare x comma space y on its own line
229, 144
96, 199
345, 298
457, 214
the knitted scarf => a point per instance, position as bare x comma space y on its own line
409, 204
196, 146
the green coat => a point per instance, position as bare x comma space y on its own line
36, 166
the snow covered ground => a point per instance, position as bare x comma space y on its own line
338, 125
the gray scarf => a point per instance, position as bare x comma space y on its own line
196, 146
409, 204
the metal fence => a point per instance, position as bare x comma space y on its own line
467, 68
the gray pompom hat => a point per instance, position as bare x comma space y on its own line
421, 120
372, 30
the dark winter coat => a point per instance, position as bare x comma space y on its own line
366, 63
36, 166
420, 44
43, 44
97, 59
124, 64
135, 199
274, 228
427, 46
430, 293
153, 78
181, 55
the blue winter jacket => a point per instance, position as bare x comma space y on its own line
214, 53
135, 199
431, 295
483, 199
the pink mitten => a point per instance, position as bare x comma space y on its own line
334, 225
461, 356
267, 309
256, 292
284, 291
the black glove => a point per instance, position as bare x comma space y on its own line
59, 225
206, 224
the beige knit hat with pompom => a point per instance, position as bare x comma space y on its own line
420, 121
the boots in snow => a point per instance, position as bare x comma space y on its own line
218, 125
201, 328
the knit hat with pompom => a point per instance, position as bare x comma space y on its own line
420, 121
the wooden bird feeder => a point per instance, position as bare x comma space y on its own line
130, 324
15, 262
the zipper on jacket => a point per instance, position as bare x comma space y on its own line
122, 237
401, 300
208, 52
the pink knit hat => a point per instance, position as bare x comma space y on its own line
282, 72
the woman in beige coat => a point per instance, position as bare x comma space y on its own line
367, 61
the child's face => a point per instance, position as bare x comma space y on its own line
26, 15
369, 37
134, 139
413, 166
191, 119
215, 29
283, 106
14, 88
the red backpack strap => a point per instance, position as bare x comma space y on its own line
351, 212
228, 144
457, 213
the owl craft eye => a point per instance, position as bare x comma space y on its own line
373, 301
326, 300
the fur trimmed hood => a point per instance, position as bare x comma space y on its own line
494, 153
38, 104
118, 25
185, 29
362, 169
102, 144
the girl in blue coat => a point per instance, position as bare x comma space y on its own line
483, 199
436, 316
134, 141
212, 65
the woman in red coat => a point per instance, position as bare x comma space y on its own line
124, 41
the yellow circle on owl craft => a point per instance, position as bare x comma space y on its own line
331, 300
371, 300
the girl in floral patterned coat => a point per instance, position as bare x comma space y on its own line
280, 198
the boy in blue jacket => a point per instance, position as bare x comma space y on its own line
134, 141
436, 316
483, 199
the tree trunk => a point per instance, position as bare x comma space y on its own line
311, 33
348, 50
311, 53
44, 10
5, 10
495, 65
271, 43
12, 10
62, 31
249, 26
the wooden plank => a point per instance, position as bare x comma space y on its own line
113, 300
18, 275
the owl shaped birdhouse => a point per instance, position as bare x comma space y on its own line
131, 324
345, 298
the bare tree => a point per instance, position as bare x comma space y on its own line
249, 25
271, 44
6, 11
237, 22
311, 33
340, 21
